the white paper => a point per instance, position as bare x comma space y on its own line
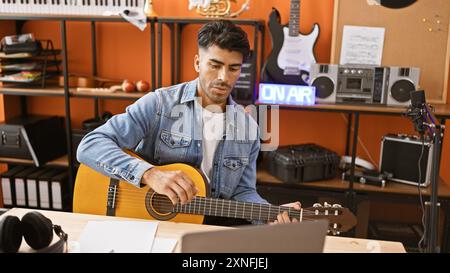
163, 245
118, 236
362, 45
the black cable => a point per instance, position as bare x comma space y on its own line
420, 244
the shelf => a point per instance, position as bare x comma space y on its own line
106, 95
59, 92
60, 162
337, 184
35, 65
263, 177
202, 20
441, 110
43, 53
52, 91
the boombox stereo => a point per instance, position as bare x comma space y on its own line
364, 84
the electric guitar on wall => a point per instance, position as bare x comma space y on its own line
96, 193
292, 52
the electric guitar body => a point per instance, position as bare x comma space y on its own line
292, 52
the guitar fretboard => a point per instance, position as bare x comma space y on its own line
294, 19
235, 209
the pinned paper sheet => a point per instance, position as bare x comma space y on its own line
362, 45
118, 237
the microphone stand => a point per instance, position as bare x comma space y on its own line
436, 132
424, 121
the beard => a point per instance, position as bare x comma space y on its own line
218, 91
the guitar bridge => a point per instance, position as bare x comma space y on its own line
111, 201
112, 196
294, 71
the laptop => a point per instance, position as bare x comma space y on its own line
303, 237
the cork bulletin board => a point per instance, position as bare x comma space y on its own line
415, 36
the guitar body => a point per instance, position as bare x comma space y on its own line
91, 196
98, 194
290, 59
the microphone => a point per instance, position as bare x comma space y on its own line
417, 111
418, 98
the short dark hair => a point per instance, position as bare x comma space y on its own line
224, 34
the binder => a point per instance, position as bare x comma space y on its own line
60, 192
20, 186
44, 182
32, 187
8, 188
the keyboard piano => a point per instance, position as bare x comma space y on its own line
70, 7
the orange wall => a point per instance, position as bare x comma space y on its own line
123, 52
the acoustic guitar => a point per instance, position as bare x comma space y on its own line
292, 52
96, 193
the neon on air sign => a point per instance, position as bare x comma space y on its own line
286, 94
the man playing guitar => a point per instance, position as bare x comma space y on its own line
196, 123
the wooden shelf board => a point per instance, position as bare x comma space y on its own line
115, 95
61, 161
441, 110
263, 177
52, 91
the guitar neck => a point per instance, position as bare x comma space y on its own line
294, 18
235, 209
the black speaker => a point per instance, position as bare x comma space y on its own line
402, 81
39, 138
324, 77
244, 90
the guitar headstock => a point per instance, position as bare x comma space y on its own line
341, 219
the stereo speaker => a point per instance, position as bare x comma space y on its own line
324, 77
402, 81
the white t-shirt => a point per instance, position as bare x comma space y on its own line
213, 131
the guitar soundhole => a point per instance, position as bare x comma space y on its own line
159, 206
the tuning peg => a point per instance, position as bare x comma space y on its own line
326, 205
317, 205
337, 206
334, 232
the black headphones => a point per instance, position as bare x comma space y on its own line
37, 231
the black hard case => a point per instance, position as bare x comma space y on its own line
302, 163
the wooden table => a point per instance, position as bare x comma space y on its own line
74, 223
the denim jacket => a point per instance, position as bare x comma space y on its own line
164, 127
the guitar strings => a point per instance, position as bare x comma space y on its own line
198, 199
247, 215
162, 200
136, 193
139, 193
271, 216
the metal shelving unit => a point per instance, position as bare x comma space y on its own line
176, 26
69, 160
